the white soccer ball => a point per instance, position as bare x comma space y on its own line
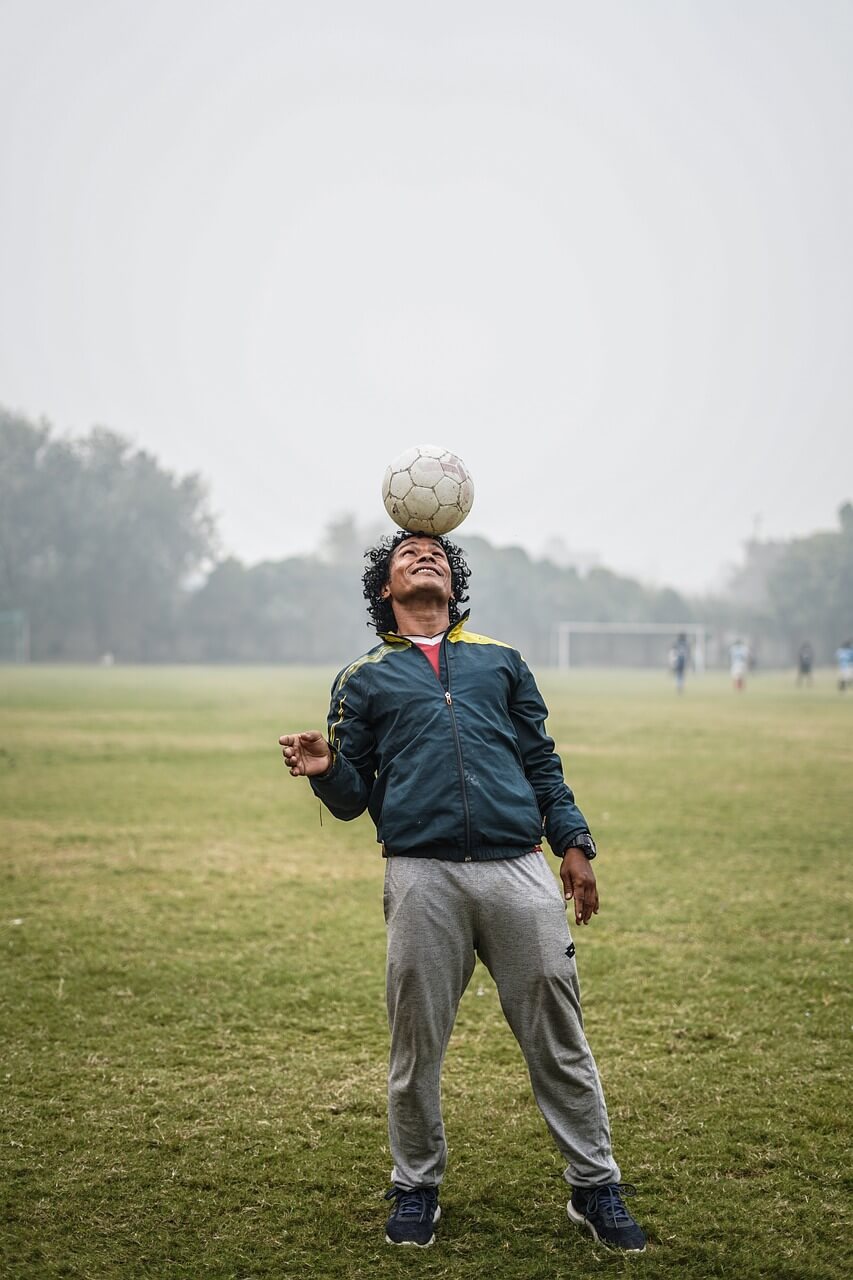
427, 490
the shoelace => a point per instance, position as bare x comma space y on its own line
410, 1204
609, 1200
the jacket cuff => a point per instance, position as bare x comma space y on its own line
568, 841
327, 776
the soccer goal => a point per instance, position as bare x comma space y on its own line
628, 644
14, 636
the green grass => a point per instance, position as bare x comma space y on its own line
193, 1026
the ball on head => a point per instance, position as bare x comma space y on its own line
427, 489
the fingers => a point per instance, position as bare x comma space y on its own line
305, 753
586, 903
293, 760
291, 749
579, 886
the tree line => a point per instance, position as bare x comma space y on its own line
105, 552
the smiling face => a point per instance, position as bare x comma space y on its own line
419, 573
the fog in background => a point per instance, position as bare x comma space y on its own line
600, 250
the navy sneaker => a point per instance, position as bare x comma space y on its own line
415, 1212
603, 1211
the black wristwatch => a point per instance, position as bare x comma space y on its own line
586, 844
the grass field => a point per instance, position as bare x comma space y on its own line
193, 1027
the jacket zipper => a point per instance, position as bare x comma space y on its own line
449, 700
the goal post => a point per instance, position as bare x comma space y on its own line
696, 631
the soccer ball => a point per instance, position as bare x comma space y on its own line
427, 490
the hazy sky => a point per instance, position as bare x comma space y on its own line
602, 250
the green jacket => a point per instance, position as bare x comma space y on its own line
459, 768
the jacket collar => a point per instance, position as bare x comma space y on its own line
391, 637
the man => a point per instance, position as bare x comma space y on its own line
439, 734
805, 662
844, 658
679, 656
739, 663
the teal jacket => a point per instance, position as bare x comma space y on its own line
459, 768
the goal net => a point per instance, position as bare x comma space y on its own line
14, 636
626, 644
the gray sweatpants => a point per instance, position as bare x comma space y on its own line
440, 916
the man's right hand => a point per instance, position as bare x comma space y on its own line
306, 755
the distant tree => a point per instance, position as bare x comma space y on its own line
217, 623
302, 609
344, 540
811, 588
97, 542
749, 583
668, 606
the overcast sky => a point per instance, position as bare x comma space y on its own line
602, 250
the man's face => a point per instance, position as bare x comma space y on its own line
419, 570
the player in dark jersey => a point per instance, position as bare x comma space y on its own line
440, 734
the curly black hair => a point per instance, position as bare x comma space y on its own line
378, 568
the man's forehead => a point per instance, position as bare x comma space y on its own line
419, 544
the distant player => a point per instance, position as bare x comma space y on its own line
679, 656
844, 658
805, 662
440, 734
739, 664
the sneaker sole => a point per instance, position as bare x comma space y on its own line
428, 1243
579, 1220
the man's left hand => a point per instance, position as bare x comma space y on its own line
579, 885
